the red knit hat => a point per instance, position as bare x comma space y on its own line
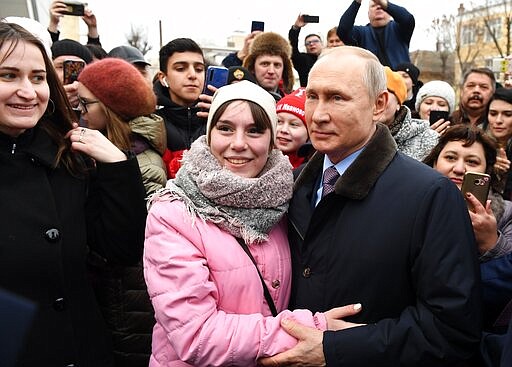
293, 103
120, 87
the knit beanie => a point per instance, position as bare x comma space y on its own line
436, 88
246, 91
270, 43
294, 103
120, 87
410, 69
396, 85
70, 47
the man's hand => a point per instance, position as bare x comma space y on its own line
299, 23
307, 353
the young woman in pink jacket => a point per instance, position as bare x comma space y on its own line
216, 233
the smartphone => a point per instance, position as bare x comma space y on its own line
478, 184
216, 76
257, 26
74, 8
437, 115
72, 68
311, 18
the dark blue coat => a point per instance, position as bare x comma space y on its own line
397, 33
395, 236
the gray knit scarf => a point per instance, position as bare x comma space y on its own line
244, 207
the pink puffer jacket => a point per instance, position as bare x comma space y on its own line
207, 295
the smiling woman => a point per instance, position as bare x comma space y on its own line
56, 204
229, 197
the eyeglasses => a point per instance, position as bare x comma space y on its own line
309, 43
83, 103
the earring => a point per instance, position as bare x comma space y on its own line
50, 111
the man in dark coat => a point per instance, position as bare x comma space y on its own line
377, 228
303, 61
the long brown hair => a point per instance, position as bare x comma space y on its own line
59, 116
117, 130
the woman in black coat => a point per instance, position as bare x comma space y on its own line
64, 189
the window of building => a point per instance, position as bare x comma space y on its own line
495, 27
468, 34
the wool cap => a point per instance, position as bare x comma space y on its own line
410, 69
395, 84
238, 73
270, 43
245, 91
128, 53
436, 88
36, 28
71, 47
294, 103
120, 87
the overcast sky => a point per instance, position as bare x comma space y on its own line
210, 22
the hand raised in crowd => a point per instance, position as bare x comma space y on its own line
502, 164
484, 224
94, 144
309, 349
92, 25
440, 126
247, 44
299, 23
56, 10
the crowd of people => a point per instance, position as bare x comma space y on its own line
271, 222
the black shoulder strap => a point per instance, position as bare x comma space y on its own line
266, 292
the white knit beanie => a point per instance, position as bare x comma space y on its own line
436, 88
246, 91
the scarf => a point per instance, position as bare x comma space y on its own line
244, 207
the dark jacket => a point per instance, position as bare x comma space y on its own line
232, 60
48, 219
182, 126
181, 123
396, 237
397, 34
302, 62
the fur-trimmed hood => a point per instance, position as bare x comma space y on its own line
270, 43
362, 174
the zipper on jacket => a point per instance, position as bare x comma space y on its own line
13, 148
189, 118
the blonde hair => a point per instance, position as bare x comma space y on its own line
118, 130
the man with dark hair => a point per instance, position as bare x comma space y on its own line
303, 61
387, 39
478, 86
178, 87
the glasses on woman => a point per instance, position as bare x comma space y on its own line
83, 103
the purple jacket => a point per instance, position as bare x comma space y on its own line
207, 295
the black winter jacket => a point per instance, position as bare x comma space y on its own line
48, 218
396, 237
